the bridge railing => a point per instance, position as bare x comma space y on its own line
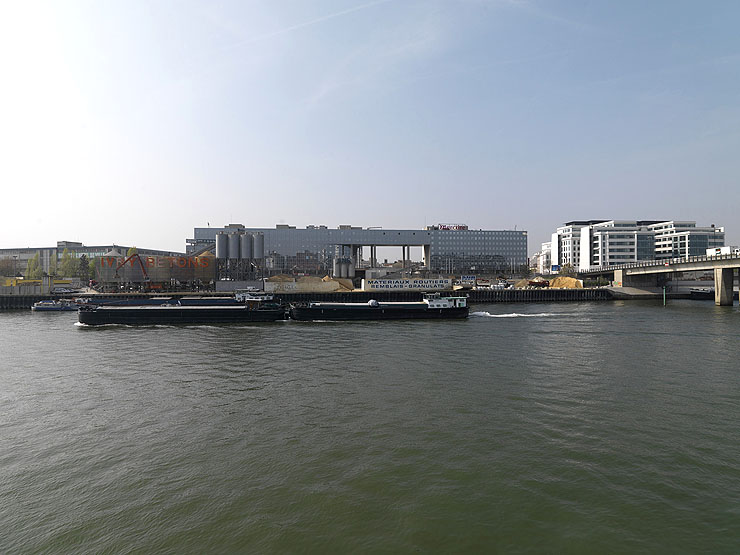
661, 262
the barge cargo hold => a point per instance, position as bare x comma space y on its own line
433, 306
172, 314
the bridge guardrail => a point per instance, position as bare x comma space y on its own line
663, 262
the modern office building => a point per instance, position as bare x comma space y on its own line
318, 249
675, 239
586, 244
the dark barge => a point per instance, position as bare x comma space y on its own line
432, 306
185, 311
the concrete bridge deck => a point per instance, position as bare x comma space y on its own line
646, 273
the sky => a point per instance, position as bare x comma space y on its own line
133, 122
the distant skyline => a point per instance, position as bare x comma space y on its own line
134, 122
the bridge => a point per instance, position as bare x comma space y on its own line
647, 273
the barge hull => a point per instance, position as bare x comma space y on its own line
150, 316
370, 313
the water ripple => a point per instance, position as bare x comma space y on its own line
571, 427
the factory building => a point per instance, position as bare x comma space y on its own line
318, 249
49, 257
585, 244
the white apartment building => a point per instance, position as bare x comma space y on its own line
541, 261
565, 244
586, 244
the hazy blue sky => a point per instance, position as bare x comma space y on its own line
133, 122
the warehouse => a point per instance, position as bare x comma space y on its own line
318, 249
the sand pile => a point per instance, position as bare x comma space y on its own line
562, 282
279, 278
529, 282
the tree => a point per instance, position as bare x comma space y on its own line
33, 268
567, 270
69, 265
83, 269
92, 268
7, 267
53, 266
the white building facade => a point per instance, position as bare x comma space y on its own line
586, 244
542, 261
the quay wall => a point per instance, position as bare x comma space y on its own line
9, 302
16, 302
474, 296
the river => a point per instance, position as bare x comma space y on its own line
575, 428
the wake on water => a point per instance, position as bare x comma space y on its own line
512, 315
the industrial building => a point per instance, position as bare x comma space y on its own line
446, 248
49, 257
587, 244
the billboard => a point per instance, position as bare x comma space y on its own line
405, 284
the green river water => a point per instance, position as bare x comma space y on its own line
608, 427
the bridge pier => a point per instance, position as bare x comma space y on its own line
723, 278
622, 279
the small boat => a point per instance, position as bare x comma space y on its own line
706, 293
701, 293
433, 306
54, 306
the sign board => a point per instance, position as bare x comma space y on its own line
453, 227
555, 268
406, 284
467, 279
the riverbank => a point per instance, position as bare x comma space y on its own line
10, 302
18, 302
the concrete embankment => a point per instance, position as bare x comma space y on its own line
9, 302
480, 296
15, 302
646, 293
474, 296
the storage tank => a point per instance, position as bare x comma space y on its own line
336, 268
259, 245
233, 245
222, 245
350, 269
246, 246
